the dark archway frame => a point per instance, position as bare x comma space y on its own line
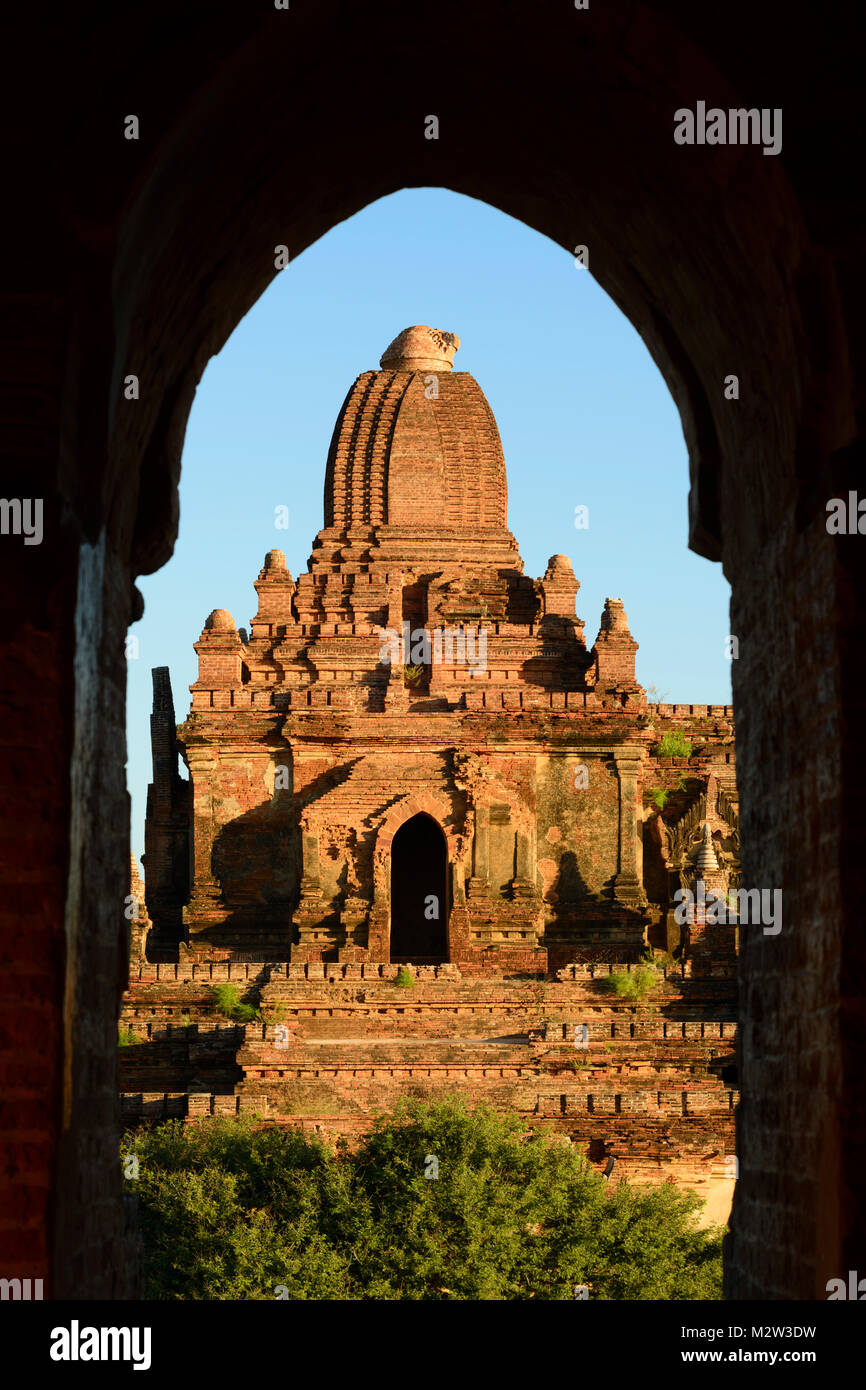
257, 133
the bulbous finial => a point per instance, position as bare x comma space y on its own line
220, 620
420, 349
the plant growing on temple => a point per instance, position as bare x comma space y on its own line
126, 1037
634, 985
229, 1210
576, 1064
674, 744
227, 1000
405, 979
413, 675
661, 795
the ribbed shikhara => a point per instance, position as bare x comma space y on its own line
415, 567
416, 449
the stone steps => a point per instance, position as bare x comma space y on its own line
601, 1024
640, 1091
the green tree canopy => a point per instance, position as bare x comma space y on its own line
440, 1201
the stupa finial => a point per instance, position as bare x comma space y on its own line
420, 349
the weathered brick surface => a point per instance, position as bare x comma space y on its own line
309, 753
653, 1088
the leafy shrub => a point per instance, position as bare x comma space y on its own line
126, 1037
674, 744
661, 794
227, 999
229, 1211
405, 979
634, 985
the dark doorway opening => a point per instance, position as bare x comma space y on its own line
418, 669
415, 606
419, 906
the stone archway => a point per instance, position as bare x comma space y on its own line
438, 810
728, 263
419, 892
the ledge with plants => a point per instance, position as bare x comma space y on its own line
634, 985
227, 1002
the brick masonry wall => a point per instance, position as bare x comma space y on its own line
648, 1090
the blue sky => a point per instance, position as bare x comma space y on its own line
584, 415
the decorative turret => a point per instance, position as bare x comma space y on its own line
219, 653
275, 588
139, 922
166, 831
559, 588
220, 620
614, 652
707, 868
706, 862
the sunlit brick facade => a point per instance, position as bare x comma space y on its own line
413, 754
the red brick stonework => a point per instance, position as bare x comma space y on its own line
415, 671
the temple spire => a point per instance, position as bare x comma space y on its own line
706, 860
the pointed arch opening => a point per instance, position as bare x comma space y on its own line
419, 892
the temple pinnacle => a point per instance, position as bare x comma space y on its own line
420, 349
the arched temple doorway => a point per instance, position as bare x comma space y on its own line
419, 887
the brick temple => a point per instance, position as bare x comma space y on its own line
413, 757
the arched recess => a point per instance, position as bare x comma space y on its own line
256, 133
438, 809
419, 892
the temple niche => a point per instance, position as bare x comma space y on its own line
412, 753
703, 861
